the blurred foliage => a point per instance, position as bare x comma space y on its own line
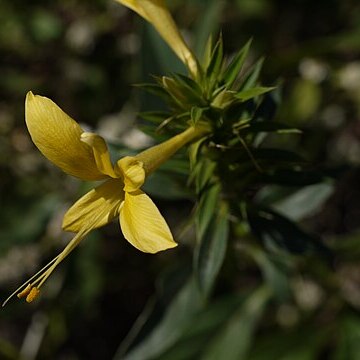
288, 289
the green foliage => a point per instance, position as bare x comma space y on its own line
211, 249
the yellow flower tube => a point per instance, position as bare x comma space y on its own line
156, 13
86, 156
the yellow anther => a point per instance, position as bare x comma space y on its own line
34, 292
25, 292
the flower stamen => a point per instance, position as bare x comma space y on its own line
21, 290
24, 292
29, 289
34, 292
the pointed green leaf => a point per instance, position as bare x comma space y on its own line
173, 89
188, 83
234, 339
304, 202
250, 93
274, 272
253, 75
216, 61
204, 213
207, 52
205, 174
194, 150
234, 68
207, 322
189, 89
154, 89
177, 317
210, 253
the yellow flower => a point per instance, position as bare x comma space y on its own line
157, 14
86, 156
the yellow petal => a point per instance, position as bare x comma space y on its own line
156, 12
143, 225
101, 153
96, 208
133, 173
57, 136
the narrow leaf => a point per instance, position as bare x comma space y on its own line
207, 52
205, 174
216, 61
207, 322
188, 83
154, 89
194, 151
235, 338
174, 91
211, 251
304, 202
250, 93
176, 318
253, 75
206, 208
274, 273
234, 68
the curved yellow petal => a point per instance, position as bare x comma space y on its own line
101, 153
133, 172
96, 208
156, 13
57, 136
143, 225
